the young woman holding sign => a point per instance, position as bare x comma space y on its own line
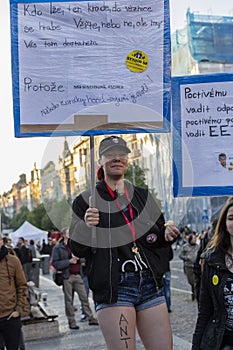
123, 262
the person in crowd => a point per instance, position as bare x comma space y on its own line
54, 242
8, 243
9, 246
30, 269
188, 254
51, 245
197, 267
63, 259
186, 232
38, 249
31, 246
166, 256
214, 326
179, 241
13, 297
83, 274
118, 234
46, 247
24, 255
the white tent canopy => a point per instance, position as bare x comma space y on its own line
28, 231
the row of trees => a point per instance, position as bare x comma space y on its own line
48, 216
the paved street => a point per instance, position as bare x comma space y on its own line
183, 317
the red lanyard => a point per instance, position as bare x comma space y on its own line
129, 223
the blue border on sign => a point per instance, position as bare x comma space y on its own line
15, 84
178, 189
15, 67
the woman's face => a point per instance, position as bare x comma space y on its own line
114, 162
229, 221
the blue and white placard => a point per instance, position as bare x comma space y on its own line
90, 67
202, 113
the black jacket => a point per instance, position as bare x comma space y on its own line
210, 326
100, 248
60, 259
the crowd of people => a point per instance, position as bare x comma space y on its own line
120, 247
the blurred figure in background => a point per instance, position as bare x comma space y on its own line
188, 254
46, 247
8, 243
31, 246
38, 249
197, 268
166, 255
25, 256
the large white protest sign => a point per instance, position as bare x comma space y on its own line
203, 134
82, 65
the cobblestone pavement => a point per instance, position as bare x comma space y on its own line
183, 318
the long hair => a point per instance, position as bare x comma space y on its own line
100, 173
221, 237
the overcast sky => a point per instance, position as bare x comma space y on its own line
17, 155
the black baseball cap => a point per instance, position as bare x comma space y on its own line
112, 142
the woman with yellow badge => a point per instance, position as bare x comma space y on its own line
214, 326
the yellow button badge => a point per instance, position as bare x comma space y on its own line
137, 61
215, 280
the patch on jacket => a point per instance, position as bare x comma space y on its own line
151, 238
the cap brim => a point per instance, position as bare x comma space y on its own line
126, 149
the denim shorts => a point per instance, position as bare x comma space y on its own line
138, 290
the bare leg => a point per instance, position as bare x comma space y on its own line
118, 325
154, 328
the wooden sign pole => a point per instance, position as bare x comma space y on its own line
93, 191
